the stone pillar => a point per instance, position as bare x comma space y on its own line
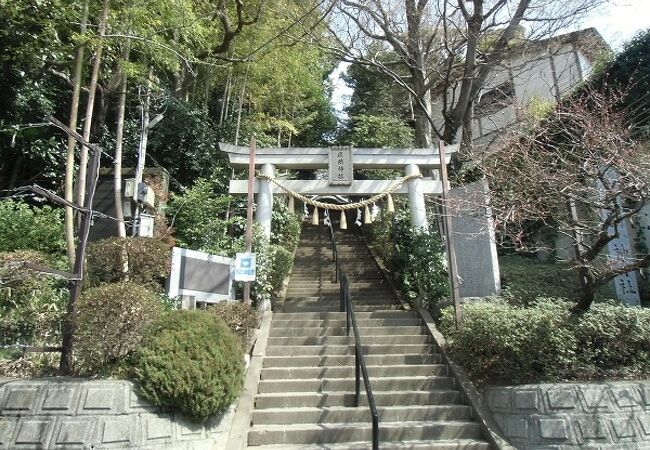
265, 200
416, 199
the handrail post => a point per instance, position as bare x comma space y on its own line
357, 376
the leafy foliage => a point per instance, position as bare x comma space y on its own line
545, 342
185, 142
417, 259
282, 263
147, 261
110, 320
191, 361
31, 304
242, 319
28, 227
198, 217
285, 227
524, 280
379, 132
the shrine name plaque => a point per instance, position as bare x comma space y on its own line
340, 166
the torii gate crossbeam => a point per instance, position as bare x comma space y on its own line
412, 161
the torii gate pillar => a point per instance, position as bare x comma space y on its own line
265, 200
416, 199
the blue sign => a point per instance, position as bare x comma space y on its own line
245, 267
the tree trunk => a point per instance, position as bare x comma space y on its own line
422, 110
418, 64
83, 158
588, 291
119, 142
241, 104
72, 123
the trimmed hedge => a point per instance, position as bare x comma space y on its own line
499, 342
191, 361
148, 261
110, 320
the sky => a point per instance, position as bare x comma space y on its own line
617, 21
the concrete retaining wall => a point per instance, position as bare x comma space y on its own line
574, 416
67, 413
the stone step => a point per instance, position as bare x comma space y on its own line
324, 399
340, 360
352, 284
365, 332
374, 372
333, 414
348, 340
341, 315
455, 444
297, 323
389, 431
358, 295
406, 383
333, 307
379, 349
327, 277
334, 298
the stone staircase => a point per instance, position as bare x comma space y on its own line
306, 389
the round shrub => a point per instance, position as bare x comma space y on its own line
191, 361
147, 261
110, 321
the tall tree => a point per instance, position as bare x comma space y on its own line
448, 47
578, 172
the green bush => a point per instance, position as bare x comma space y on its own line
417, 260
147, 261
524, 279
498, 341
190, 360
614, 338
285, 227
32, 304
24, 227
281, 263
198, 216
242, 319
110, 320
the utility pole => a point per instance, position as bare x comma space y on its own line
449, 237
249, 214
147, 125
75, 279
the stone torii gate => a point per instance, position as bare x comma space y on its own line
341, 162
478, 273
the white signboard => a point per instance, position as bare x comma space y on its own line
206, 277
245, 267
340, 167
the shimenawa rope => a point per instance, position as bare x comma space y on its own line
395, 186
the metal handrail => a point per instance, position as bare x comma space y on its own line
360, 369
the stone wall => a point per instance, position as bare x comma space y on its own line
67, 413
574, 416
